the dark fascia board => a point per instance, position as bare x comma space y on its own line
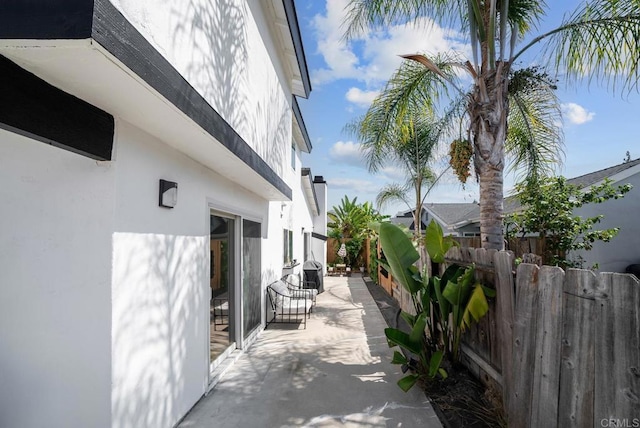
35, 109
106, 25
46, 19
296, 36
306, 172
319, 236
303, 128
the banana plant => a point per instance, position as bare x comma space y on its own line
444, 305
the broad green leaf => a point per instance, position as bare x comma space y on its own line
407, 382
477, 306
398, 358
410, 319
456, 292
436, 243
417, 331
400, 254
452, 273
434, 363
400, 338
443, 373
489, 292
445, 306
425, 300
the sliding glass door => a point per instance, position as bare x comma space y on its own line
251, 275
222, 280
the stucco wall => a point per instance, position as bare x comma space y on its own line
320, 225
225, 50
55, 295
296, 214
624, 249
161, 278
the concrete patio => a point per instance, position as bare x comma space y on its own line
337, 372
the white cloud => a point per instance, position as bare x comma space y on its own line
373, 57
348, 152
343, 183
361, 98
363, 189
394, 173
576, 114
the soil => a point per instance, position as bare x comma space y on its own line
460, 400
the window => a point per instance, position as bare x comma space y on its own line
287, 247
293, 156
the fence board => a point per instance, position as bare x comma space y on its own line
505, 301
617, 365
524, 329
546, 376
576, 376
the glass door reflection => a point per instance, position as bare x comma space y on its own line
222, 270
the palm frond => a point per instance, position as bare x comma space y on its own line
534, 138
392, 192
365, 14
525, 15
599, 41
412, 92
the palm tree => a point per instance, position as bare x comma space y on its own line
410, 143
347, 220
600, 40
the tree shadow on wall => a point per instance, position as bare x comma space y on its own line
159, 328
226, 69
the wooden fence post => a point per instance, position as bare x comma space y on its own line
617, 350
524, 336
578, 334
505, 301
546, 375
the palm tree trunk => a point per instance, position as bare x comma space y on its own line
488, 111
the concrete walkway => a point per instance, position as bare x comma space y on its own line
336, 373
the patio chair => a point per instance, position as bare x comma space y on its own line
299, 291
285, 307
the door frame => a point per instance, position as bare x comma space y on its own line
235, 294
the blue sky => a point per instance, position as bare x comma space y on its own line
600, 126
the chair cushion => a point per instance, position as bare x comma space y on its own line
304, 293
281, 287
292, 280
296, 306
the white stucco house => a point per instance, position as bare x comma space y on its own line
150, 167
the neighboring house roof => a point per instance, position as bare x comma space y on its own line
452, 213
407, 221
597, 176
511, 204
444, 213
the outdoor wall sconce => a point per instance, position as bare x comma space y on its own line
168, 194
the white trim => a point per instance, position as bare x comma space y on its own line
217, 205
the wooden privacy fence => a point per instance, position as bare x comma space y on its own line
519, 246
334, 244
563, 346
